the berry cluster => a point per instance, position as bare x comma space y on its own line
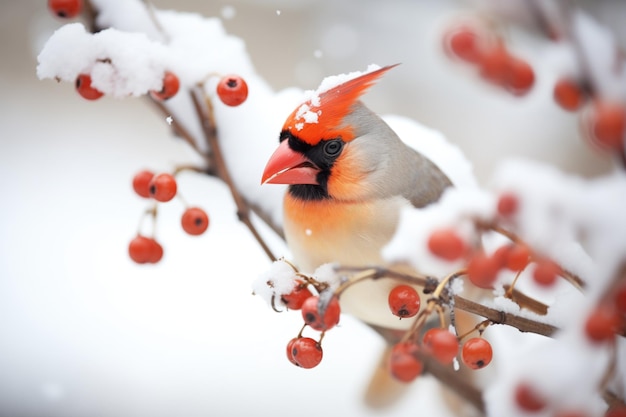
488, 53
319, 314
162, 188
602, 119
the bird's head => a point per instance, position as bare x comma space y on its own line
319, 153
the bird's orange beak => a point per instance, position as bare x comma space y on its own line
286, 166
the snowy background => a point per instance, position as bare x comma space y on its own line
84, 331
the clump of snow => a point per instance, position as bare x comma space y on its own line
278, 280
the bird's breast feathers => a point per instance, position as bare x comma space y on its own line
350, 233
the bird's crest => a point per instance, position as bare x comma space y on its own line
321, 117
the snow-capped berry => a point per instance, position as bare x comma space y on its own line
84, 88
304, 352
163, 187
546, 272
297, 296
404, 301
463, 42
143, 250
602, 323
404, 364
171, 85
528, 399
311, 314
232, 90
568, 94
441, 344
482, 270
67, 9
446, 243
194, 221
141, 183
477, 353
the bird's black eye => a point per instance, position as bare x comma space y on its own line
333, 147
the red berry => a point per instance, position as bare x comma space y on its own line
311, 316
602, 323
442, 344
482, 270
518, 257
297, 296
304, 352
447, 244
477, 353
568, 94
520, 76
403, 362
528, 399
546, 272
290, 351
163, 187
508, 204
464, 42
607, 123
84, 88
232, 90
65, 8
143, 250
404, 301
494, 66
171, 85
194, 221
141, 183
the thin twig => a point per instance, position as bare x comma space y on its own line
523, 324
209, 128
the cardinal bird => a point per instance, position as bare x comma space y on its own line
349, 176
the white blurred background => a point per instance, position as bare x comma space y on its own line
85, 332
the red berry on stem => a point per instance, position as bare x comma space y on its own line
447, 244
477, 353
84, 88
602, 323
442, 344
403, 362
297, 296
171, 85
404, 301
546, 272
232, 90
508, 204
143, 250
568, 94
608, 124
65, 8
518, 257
482, 270
141, 183
163, 187
194, 221
463, 42
305, 352
528, 399
311, 314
